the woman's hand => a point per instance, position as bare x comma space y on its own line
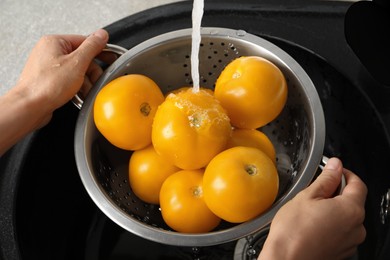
316, 225
58, 66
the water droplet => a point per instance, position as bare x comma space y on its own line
251, 252
240, 33
236, 75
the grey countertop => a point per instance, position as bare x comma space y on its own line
23, 22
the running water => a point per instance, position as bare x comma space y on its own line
197, 13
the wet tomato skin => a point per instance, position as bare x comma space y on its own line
190, 128
182, 203
147, 172
124, 110
240, 183
253, 90
252, 138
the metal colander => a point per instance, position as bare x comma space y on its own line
298, 133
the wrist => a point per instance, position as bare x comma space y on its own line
272, 250
30, 105
280, 248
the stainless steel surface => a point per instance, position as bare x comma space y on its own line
298, 134
78, 99
385, 208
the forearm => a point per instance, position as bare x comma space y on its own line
20, 113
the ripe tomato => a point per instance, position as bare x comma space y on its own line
252, 90
147, 172
240, 183
252, 138
190, 128
124, 110
182, 204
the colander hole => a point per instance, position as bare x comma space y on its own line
211, 43
185, 65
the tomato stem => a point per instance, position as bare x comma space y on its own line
195, 120
145, 108
197, 191
251, 169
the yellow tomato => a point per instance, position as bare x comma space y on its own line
252, 138
124, 110
190, 128
253, 91
240, 183
182, 204
147, 172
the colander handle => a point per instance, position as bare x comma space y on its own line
323, 162
112, 48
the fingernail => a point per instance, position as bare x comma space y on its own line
102, 34
333, 164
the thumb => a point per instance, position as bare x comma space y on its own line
90, 48
328, 181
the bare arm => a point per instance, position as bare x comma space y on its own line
315, 225
54, 72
